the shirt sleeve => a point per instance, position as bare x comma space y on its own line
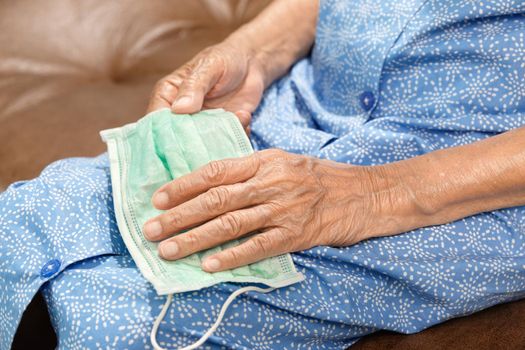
62, 217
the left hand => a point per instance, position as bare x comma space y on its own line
293, 202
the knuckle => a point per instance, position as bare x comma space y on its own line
160, 85
274, 153
192, 240
185, 70
206, 68
274, 210
303, 162
215, 199
175, 188
266, 214
231, 225
173, 218
194, 82
251, 190
214, 172
261, 244
234, 256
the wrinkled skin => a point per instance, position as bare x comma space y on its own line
295, 202
221, 76
298, 202
234, 73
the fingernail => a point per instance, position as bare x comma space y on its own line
168, 249
160, 199
152, 229
242, 113
212, 264
181, 102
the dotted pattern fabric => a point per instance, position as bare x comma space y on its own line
385, 81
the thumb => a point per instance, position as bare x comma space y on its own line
200, 80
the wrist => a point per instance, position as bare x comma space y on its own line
394, 205
422, 192
278, 37
366, 201
266, 57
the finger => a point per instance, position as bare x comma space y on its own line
264, 245
204, 75
215, 173
244, 117
222, 229
164, 93
209, 205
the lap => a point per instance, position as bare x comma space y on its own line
403, 283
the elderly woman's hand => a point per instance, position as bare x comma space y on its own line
233, 74
292, 202
296, 202
226, 75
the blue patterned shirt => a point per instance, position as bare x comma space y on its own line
385, 81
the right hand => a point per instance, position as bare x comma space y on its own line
221, 76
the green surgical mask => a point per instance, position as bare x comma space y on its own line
157, 149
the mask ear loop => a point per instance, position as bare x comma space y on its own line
213, 328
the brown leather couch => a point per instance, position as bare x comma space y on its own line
70, 68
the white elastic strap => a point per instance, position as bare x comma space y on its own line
212, 329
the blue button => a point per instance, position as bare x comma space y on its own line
50, 268
367, 100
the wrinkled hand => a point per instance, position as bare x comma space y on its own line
294, 203
222, 76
